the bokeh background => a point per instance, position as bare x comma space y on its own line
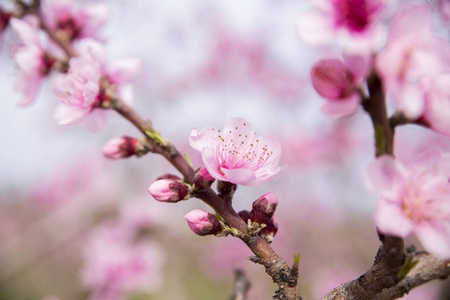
75, 225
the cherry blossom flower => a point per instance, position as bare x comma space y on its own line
71, 20
414, 199
79, 90
33, 60
236, 155
337, 81
352, 23
437, 102
412, 53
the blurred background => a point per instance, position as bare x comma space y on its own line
75, 225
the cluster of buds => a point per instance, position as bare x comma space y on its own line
169, 188
125, 147
260, 219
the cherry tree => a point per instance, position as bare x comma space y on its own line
383, 60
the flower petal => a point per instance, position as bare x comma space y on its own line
390, 219
387, 177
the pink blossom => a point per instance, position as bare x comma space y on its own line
236, 155
412, 53
79, 90
33, 60
338, 83
202, 222
437, 102
74, 20
414, 199
353, 24
116, 264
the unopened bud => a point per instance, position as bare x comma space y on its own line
332, 80
202, 178
270, 230
168, 190
120, 147
203, 223
264, 208
245, 215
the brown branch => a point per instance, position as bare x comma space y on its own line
428, 268
384, 280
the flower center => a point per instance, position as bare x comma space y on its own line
239, 150
353, 14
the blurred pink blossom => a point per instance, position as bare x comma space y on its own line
415, 198
353, 24
120, 147
73, 19
437, 102
116, 264
338, 81
236, 155
79, 90
33, 60
412, 53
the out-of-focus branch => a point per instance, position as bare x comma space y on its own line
428, 268
241, 285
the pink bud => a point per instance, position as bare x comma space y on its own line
202, 178
270, 230
120, 147
168, 190
202, 222
332, 80
264, 208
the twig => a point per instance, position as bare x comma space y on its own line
241, 285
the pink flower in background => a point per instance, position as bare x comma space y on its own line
414, 199
236, 155
353, 24
338, 81
116, 264
437, 102
412, 53
33, 60
79, 90
72, 20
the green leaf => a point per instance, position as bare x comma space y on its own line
156, 136
407, 266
